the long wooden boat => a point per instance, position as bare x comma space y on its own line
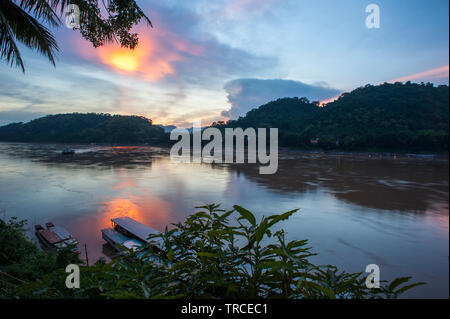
127, 234
55, 237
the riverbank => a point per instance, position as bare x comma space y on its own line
102, 152
371, 154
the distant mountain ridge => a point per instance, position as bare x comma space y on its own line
402, 117
85, 128
396, 117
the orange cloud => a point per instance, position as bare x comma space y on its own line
146, 59
437, 73
153, 59
331, 99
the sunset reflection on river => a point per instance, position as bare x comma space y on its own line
354, 210
148, 210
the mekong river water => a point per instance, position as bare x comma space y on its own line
354, 210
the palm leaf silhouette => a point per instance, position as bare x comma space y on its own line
16, 24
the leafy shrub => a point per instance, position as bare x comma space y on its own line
21, 261
207, 257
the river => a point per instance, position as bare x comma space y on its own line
354, 210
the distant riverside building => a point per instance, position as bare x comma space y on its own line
314, 140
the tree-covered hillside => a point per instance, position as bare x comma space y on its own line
85, 128
389, 117
400, 117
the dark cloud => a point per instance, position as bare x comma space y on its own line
246, 94
214, 61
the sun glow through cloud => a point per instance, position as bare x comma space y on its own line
125, 61
153, 59
145, 60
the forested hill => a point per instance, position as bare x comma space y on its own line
389, 117
399, 117
85, 128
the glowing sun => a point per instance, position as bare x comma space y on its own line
126, 61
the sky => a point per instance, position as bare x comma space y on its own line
214, 60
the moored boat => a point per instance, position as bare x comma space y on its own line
55, 237
127, 234
117, 240
68, 151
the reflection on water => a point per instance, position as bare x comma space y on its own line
354, 210
403, 184
148, 210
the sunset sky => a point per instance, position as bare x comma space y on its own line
212, 60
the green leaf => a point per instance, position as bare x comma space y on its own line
205, 254
203, 214
245, 214
170, 255
273, 265
277, 218
225, 215
327, 292
405, 288
262, 228
397, 282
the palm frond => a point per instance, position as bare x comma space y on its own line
8, 47
25, 21
17, 24
42, 9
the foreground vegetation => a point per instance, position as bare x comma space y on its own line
207, 256
21, 261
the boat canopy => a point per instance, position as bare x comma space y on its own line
50, 236
61, 232
139, 230
115, 236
